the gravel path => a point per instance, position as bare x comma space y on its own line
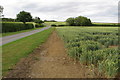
7, 39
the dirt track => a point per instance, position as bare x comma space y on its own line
50, 61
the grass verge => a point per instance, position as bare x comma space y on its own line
14, 51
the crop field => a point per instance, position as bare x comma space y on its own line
84, 51
96, 47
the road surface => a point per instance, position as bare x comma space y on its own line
7, 39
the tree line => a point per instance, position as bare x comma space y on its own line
24, 17
79, 21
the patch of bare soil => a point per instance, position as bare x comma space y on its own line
50, 61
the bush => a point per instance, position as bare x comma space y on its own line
61, 25
39, 25
37, 20
8, 19
54, 25
79, 21
70, 21
13, 27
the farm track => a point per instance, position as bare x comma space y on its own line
49, 61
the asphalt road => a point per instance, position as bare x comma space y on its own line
7, 39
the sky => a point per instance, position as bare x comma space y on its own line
60, 10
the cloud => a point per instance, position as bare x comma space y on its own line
96, 10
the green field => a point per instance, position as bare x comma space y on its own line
96, 47
14, 51
56, 23
96, 24
105, 23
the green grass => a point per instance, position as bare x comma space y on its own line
14, 51
56, 23
96, 24
12, 33
106, 24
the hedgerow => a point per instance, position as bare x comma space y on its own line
13, 27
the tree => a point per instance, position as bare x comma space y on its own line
70, 21
79, 21
37, 20
1, 11
24, 17
89, 22
8, 19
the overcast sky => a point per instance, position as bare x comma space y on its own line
60, 10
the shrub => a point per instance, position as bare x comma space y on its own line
37, 20
13, 27
61, 25
82, 21
8, 19
39, 25
70, 21
79, 21
54, 25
